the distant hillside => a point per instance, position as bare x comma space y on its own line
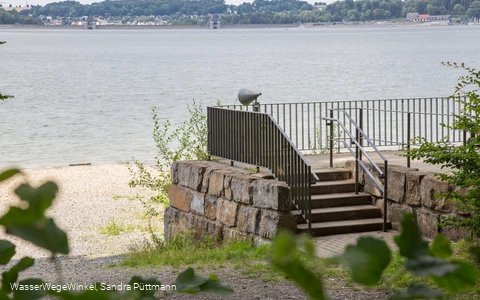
192, 12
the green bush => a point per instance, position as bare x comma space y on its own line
368, 259
463, 160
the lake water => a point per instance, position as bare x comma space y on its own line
85, 96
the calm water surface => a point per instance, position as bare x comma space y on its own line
85, 96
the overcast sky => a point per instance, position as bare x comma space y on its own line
43, 2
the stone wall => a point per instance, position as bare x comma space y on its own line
210, 198
412, 191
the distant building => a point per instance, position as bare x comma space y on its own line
412, 16
319, 6
425, 18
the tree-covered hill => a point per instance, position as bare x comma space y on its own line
257, 12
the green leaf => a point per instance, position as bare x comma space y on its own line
7, 251
367, 260
191, 283
417, 291
39, 199
18, 216
8, 173
44, 234
11, 276
213, 286
475, 251
138, 283
429, 266
286, 258
4, 296
464, 276
31, 290
441, 247
410, 241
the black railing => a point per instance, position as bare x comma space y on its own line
256, 138
384, 121
357, 140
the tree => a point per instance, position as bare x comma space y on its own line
474, 10
459, 9
463, 160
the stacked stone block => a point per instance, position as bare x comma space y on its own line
209, 198
412, 191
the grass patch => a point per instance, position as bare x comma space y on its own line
115, 228
130, 198
249, 260
184, 250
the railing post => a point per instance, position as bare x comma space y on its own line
361, 127
408, 138
385, 196
357, 135
309, 199
256, 129
331, 138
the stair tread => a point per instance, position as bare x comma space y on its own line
344, 223
339, 209
330, 170
335, 182
344, 208
339, 195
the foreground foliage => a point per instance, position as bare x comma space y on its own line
463, 160
368, 259
32, 225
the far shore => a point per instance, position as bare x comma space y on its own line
329, 25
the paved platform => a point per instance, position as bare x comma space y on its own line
319, 161
333, 245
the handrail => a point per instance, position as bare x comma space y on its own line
256, 138
357, 140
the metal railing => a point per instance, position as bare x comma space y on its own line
256, 138
385, 121
359, 152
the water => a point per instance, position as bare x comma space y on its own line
85, 96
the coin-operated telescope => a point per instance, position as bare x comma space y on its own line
246, 97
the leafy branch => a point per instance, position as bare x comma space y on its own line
32, 225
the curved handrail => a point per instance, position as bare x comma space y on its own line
358, 161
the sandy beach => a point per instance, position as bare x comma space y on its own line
90, 198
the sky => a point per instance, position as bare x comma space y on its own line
43, 2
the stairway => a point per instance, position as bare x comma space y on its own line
336, 209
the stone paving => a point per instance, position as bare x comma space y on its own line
333, 245
319, 161
329, 246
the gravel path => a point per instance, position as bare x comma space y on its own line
92, 197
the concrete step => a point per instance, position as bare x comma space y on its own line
341, 227
328, 214
331, 187
340, 199
332, 174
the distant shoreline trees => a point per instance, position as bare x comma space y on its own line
192, 12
